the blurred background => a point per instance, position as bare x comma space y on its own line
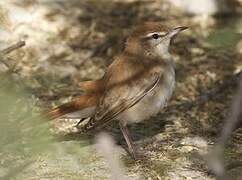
69, 41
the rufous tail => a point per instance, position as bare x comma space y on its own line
77, 104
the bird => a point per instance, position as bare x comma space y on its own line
135, 86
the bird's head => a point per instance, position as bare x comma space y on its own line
152, 38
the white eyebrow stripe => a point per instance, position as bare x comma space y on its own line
159, 33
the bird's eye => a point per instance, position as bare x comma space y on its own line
155, 36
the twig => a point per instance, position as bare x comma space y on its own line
217, 161
9, 50
107, 148
233, 165
233, 117
208, 95
12, 48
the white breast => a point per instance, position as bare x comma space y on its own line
152, 103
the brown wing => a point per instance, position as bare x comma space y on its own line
124, 87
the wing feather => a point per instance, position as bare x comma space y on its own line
126, 103
126, 82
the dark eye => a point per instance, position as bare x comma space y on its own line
155, 36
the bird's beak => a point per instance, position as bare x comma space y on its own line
176, 30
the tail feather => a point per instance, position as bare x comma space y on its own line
80, 103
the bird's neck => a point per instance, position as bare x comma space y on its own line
160, 53
168, 59
163, 56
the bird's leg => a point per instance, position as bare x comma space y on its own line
128, 139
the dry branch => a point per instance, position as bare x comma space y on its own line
12, 48
9, 50
217, 161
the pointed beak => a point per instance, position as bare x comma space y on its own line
176, 30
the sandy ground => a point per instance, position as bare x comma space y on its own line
71, 41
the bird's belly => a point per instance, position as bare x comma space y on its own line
150, 105
87, 112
